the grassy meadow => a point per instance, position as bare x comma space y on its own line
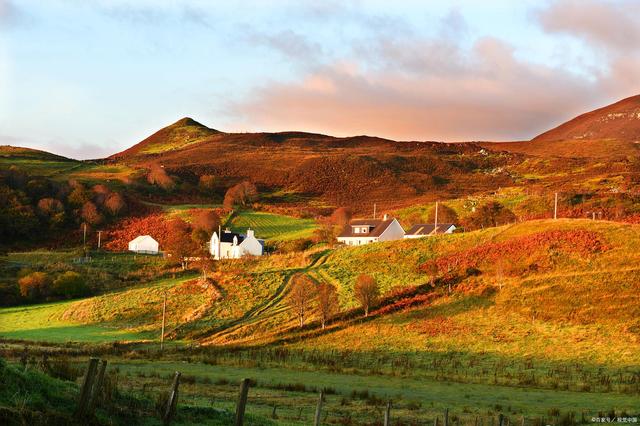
273, 227
541, 321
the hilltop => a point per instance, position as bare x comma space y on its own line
609, 132
180, 134
619, 121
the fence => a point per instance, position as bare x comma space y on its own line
93, 379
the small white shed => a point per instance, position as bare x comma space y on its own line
144, 244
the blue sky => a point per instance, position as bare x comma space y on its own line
87, 79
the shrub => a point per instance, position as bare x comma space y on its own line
69, 284
35, 285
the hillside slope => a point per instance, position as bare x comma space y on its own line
609, 132
183, 132
620, 121
517, 291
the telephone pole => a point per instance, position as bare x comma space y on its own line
555, 208
374, 210
435, 224
99, 232
164, 312
84, 239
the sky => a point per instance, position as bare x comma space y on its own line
87, 79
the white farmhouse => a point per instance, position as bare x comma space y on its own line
365, 231
144, 244
429, 229
231, 245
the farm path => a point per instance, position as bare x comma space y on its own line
264, 311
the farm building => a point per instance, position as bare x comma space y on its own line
365, 231
428, 229
144, 244
231, 245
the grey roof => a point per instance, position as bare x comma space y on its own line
427, 228
376, 227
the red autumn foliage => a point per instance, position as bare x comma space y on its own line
118, 237
579, 242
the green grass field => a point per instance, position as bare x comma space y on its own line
553, 330
130, 314
273, 227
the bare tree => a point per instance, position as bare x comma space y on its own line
301, 295
327, 302
366, 292
431, 268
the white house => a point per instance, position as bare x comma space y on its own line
231, 245
428, 229
365, 231
144, 244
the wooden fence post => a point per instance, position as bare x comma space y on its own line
387, 414
242, 402
172, 402
446, 417
87, 385
97, 387
316, 418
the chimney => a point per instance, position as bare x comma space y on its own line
250, 232
385, 217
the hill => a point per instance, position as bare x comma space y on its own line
541, 320
619, 121
183, 132
612, 131
15, 152
537, 279
356, 171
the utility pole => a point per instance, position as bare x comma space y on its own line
435, 225
374, 210
84, 239
219, 239
99, 232
164, 312
555, 207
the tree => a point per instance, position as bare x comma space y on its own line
90, 214
241, 194
179, 242
158, 176
300, 296
207, 220
490, 214
78, 196
34, 285
50, 206
207, 184
445, 214
69, 284
431, 268
115, 204
366, 292
340, 216
327, 297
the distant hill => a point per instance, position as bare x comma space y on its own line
609, 132
619, 121
180, 134
16, 152
355, 171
